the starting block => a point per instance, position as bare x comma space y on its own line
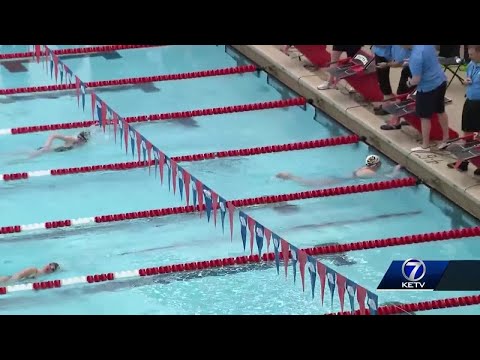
360, 73
466, 152
401, 108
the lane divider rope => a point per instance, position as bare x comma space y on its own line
276, 104
397, 241
333, 249
335, 141
137, 80
260, 200
74, 51
420, 306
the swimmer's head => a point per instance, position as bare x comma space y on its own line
50, 268
372, 161
84, 136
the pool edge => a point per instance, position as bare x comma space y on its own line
462, 190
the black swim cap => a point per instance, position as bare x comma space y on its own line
84, 135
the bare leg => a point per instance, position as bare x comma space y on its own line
335, 57
471, 137
31, 155
16, 153
328, 84
286, 48
39, 152
443, 120
426, 127
394, 120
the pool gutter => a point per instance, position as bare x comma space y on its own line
462, 189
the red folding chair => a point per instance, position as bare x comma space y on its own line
466, 152
360, 73
316, 54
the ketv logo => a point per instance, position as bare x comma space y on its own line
413, 274
413, 271
438, 275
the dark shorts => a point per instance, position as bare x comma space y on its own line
402, 84
351, 50
471, 116
431, 102
383, 76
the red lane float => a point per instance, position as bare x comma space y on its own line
419, 306
132, 81
336, 141
404, 240
74, 51
260, 200
397, 241
165, 116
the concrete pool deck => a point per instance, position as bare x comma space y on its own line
462, 188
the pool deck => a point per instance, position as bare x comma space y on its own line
462, 188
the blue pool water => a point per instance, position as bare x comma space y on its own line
184, 238
6, 49
29, 78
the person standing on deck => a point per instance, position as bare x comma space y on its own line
471, 107
431, 82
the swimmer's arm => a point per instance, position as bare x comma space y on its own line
395, 171
317, 182
364, 172
24, 274
305, 182
51, 138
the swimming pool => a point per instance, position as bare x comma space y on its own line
185, 238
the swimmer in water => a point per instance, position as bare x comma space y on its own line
371, 169
70, 142
30, 273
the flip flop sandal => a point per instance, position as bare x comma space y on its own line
420, 149
325, 86
391, 127
311, 67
